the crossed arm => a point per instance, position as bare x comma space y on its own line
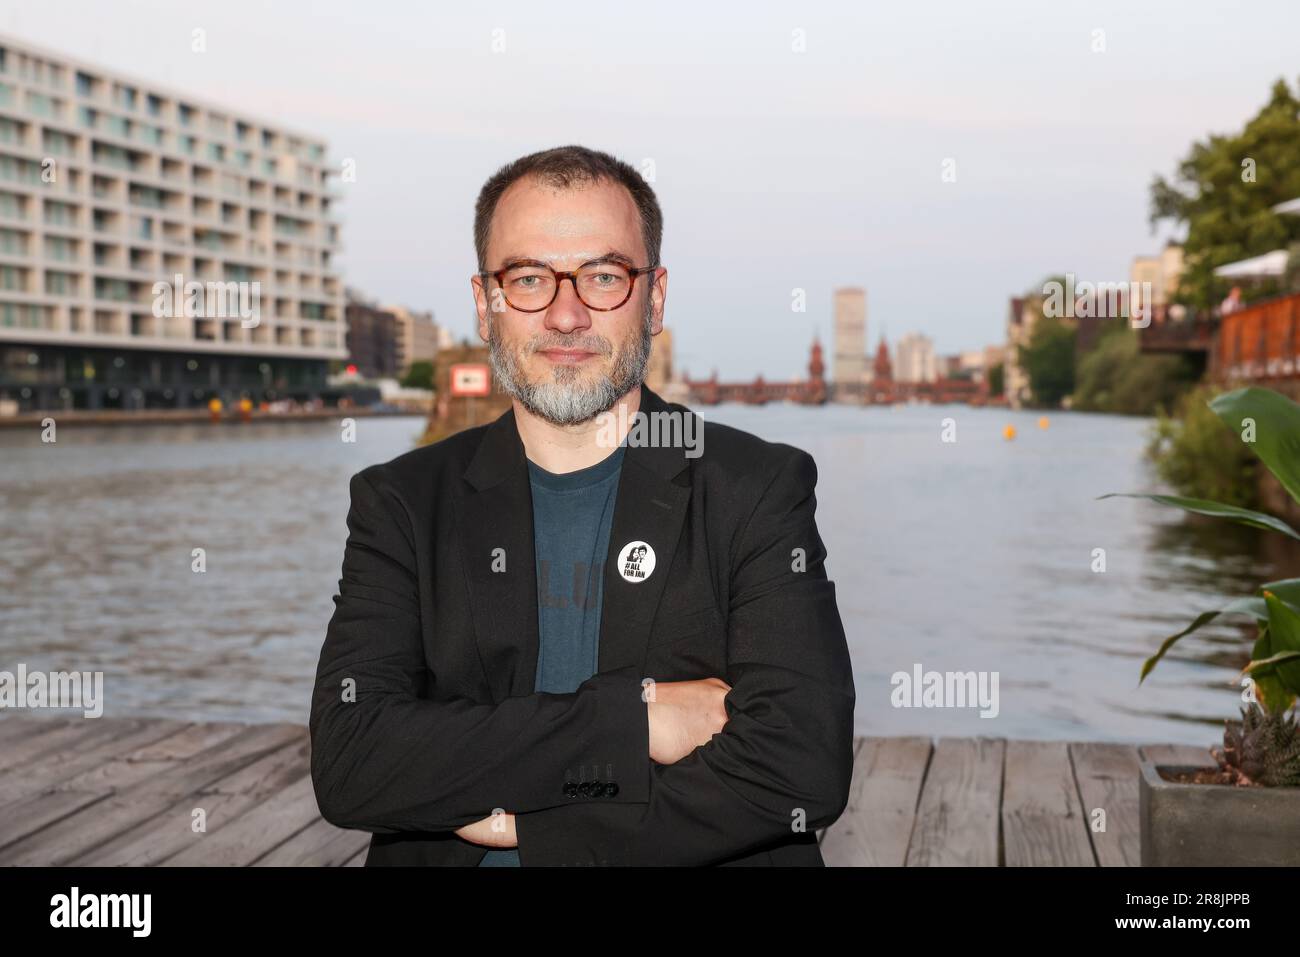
777, 759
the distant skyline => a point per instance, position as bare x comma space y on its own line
777, 170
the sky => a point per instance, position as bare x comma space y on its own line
795, 145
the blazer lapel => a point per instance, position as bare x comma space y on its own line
498, 514
650, 508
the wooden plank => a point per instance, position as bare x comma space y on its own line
32, 747
318, 845
223, 801
89, 752
957, 820
14, 724
1042, 816
31, 814
126, 807
360, 859
241, 842
1107, 775
873, 831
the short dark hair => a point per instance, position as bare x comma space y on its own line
565, 167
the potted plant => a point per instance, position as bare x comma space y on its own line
1245, 811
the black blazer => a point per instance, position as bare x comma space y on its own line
424, 718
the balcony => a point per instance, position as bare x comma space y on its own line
1260, 342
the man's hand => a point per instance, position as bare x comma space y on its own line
685, 715
495, 831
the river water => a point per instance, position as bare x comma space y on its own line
973, 555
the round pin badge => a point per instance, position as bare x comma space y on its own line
636, 560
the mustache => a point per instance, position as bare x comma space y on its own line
588, 343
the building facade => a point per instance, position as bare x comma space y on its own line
849, 360
1162, 271
373, 340
914, 359
1021, 318
417, 337
157, 250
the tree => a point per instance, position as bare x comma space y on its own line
1116, 377
419, 375
1048, 360
997, 380
1224, 191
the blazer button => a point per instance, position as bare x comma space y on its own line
611, 789
570, 789
585, 788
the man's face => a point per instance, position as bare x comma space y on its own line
567, 363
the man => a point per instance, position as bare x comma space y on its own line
497, 685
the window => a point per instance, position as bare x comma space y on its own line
60, 144
13, 242
85, 84
19, 170
60, 249
13, 278
11, 206
61, 283
40, 105
118, 290
147, 196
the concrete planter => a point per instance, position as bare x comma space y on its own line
1215, 825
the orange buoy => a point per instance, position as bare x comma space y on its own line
1009, 432
1042, 422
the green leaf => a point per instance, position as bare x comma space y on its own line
1284, 635
1265, 665
1255, 607
1271, 694
1277, 430
1215, 509
1288, 589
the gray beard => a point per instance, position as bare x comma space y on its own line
565, 400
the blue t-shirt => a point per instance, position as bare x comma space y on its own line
572, 516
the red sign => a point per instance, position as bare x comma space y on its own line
470, 379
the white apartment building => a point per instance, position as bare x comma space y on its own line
114, 194
914, 359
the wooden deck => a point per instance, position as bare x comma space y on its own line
114, 791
